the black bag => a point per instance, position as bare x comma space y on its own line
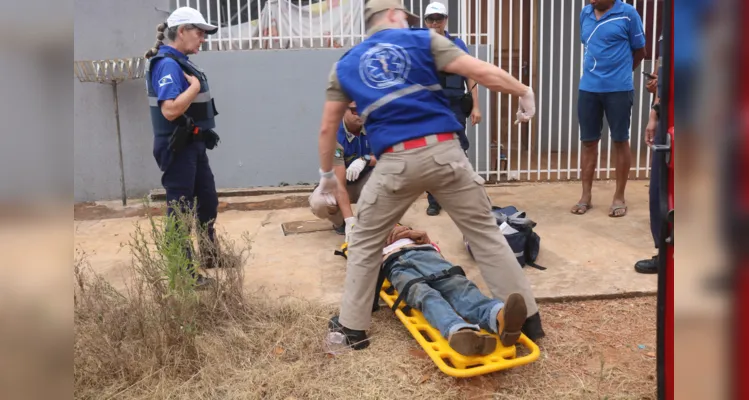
525, 243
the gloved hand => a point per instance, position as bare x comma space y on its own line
350, 222
526, 107
327, 188
356, 167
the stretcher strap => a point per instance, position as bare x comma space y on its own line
444, 274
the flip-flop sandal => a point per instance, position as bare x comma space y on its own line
581, 207
614, 209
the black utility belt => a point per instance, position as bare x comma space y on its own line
190, 133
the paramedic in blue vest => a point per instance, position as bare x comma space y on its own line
393, 77
182, 114
454, 86
352, 163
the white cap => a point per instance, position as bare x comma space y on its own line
188, 15
435, 8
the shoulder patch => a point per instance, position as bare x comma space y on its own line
165, 80
338, 153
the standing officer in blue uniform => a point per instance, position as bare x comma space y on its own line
182, 114
352, 163
650, 266
393, 77
454, 86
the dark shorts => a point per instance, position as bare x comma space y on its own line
617, 106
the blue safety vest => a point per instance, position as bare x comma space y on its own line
354, 146
202, 110
394, 81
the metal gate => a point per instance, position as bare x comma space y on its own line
537, 41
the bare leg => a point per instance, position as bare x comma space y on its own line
588, 161
623, 161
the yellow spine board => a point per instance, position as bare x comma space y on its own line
441, 353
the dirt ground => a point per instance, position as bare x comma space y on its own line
596, 349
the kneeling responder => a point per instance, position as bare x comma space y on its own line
182, 114
352, 164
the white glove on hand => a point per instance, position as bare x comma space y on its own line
327, 188
350, 222
526, 107
356, 167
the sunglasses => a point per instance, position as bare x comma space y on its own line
431, 19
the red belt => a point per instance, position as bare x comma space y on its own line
421, 142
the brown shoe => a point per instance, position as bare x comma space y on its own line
510, 319
472, 343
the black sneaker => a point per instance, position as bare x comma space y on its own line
434, 209
647, 266
357, 340
202, 282
532, 327
341, 230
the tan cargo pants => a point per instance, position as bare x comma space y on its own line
398, 180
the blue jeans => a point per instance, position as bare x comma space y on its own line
449, 304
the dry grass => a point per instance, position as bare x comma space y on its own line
153, 342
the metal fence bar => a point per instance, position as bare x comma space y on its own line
654, 53
559, 111
500, 48
573, 20
486, 110
551, 86
579, 130
520, 127
510, 175
541, 64
532, 48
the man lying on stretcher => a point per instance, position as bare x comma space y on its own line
452, 304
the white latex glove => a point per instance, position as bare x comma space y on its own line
327, 188
350, 222
526, 107
356, 167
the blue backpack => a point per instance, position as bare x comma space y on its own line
525, 243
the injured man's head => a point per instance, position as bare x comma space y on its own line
451, 303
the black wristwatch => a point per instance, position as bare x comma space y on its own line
657, 108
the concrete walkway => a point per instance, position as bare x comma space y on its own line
588, 256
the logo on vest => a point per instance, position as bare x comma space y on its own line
384, 65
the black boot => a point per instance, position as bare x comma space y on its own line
647, 266
202, 282
532, 327
357, 340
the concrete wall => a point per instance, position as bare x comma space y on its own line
269, 105
113, 29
